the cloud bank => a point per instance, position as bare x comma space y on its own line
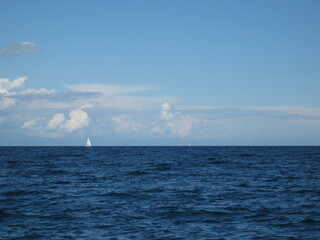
58, 124
109, 89
119, 111
123, 124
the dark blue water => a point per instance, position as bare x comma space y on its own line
160, 193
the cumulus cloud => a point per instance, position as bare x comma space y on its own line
56, 121
32, 124
123, 124
177, 125
164, 113
13, 49
77, 119
181, 126
36, 125
58, 124
6, 100
7, 84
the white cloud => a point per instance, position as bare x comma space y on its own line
177, 125
29, 124
138, 116
118, 97
41, 91
35, 124
110, 89
181, 126
37, 129
295, 110
156, 129
123, 124
58, 124
6, 84
77, 119
56, 121
164, 113
88, 105
13, 49
6, 99
130, 103
279, 110
113, 97
6, 103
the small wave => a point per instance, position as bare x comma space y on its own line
76, 155
193, 213
114, 194
195, 190
309, 220
307, 205
33, 236
247, 155
163, 167
61, 182
59, 217
245, 185
137, 172
55, 172
103, 226
16, 193
235, 208
211, 221
216, 161
300, 191
3, 214
155, 190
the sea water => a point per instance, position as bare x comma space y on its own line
160, 193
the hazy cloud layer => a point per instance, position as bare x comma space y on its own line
123, 124
13, 49
41, 91
109, 88
115, 110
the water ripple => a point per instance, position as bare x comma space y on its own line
160, 193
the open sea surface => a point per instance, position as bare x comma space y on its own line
160, 193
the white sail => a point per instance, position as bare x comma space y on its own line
88, 144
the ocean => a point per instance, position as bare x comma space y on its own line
160, 193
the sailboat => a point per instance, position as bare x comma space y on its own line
88, 144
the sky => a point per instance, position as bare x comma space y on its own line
171, 72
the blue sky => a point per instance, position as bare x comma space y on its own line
160, 72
